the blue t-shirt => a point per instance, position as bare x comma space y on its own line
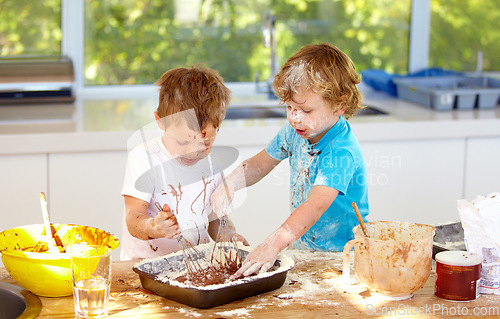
335, 161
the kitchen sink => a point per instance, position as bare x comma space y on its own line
17, 302
264, 112
370, 110
255, 112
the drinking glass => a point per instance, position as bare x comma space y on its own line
91, 276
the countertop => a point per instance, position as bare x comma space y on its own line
100, 124
313, 289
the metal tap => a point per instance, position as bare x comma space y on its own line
268, 31
270, 40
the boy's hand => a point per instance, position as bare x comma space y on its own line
221, 198
261, 259
238, 237
165, 223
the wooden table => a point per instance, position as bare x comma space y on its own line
314, 289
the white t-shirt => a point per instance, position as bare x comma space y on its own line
154, 175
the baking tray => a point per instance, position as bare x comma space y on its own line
448, 237
154, 276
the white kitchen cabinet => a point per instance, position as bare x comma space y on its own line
23, 178
85, 189
482, 175
415, 180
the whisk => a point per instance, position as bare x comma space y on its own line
225, 252
195, 261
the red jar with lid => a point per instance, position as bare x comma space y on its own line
458, 274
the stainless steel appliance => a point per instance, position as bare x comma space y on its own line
36, 80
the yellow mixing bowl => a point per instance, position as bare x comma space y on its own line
43, 273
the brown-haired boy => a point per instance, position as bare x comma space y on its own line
327, 168
174, 171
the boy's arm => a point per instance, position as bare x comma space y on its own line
246, 174
141, 226
297, 224
256, 167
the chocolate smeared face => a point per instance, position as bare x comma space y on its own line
310, 115
187, 145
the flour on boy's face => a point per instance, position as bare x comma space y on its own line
187, 145
310, 115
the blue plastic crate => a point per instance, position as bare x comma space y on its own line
380, 80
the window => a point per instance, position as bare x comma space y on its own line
30, 28
135, 41
462, 28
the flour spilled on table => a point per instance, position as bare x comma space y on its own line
307, 287
234, 313
187, 312
243, 312
303, 285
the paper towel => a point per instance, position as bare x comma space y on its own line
481, 223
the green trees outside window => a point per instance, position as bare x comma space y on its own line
135, 41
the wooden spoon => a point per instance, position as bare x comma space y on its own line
360, 219
46, 221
